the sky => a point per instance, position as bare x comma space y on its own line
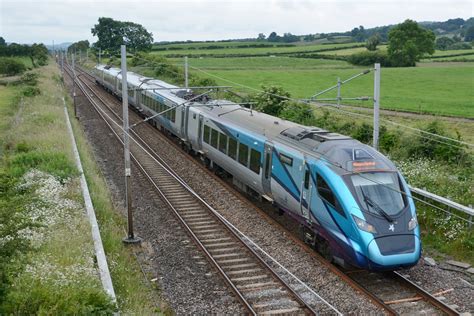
28, 21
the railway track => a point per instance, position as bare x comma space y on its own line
394, 293
256, 284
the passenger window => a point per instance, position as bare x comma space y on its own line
232, 148
326, 193
255, 161
223, 142
243, 154
214, 137
205, 135
306, 179
286, 160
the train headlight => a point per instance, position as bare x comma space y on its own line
412, 223
363, 225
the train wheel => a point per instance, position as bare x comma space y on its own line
322, 246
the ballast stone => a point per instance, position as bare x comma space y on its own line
470, 270
459, 264
429, 261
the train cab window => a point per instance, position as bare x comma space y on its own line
223, 142
326, 193
214, 137
306, 179
243, 154
205, 134
255, 161
232, 153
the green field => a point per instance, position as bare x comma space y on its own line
255, 50
437, 88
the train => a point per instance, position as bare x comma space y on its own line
351, 202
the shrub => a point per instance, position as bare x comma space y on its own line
369, 58
30, 78
11, 66
426, 146
56, 164
297, 112
460, 45
30, 91
272, 100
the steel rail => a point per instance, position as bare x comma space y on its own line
425, 294
229, 229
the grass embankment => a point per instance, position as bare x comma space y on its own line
47, 255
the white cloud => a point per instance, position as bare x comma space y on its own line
29, 21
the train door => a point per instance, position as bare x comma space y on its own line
305, 197
267, 169
184, 120
200, 127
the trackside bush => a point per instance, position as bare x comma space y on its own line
11, 66
369, 58
425, 146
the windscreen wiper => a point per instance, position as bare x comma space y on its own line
376, 207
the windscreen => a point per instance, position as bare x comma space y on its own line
378, 190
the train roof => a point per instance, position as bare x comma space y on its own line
163, 88
343, 152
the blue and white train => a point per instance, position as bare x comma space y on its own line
350, 200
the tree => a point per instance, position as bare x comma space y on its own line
79, 46
309, 38
408, 42
270, 102
443, 43
290, 38
273, 37
136, 36
358, 34
2, 42
469, 35
261, 37
111, 34
38, 52
372, 42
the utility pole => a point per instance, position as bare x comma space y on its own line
376, 105
339, 91
186, 72
131, 238
62, 63
74, 85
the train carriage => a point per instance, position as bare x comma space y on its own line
350, 200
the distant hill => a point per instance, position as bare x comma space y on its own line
62, 46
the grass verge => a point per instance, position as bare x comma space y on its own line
135, 295
41, 271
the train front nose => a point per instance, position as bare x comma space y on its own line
394, 251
